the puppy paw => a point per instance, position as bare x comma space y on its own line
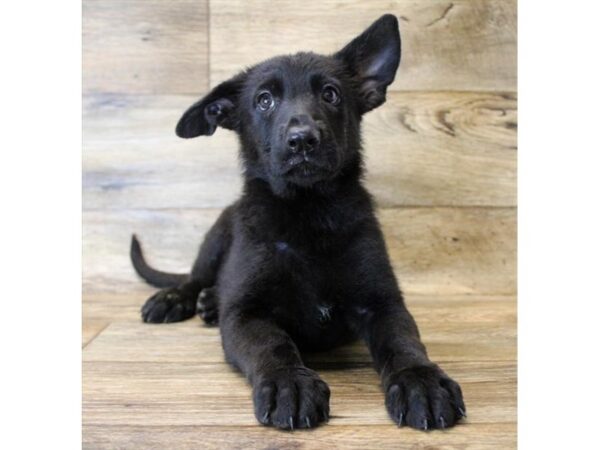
291, 398
424, 398
207, 306
168, 305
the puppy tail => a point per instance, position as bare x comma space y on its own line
152, 276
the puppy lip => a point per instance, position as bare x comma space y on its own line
304, 168
303, 162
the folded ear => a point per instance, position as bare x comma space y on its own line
373, 57
218, 108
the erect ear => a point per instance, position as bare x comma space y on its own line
218, 108
373, 58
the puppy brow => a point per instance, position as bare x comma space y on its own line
273, 83
318, 80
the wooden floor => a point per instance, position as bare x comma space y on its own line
441, 156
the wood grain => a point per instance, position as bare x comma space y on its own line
431, 148
145, 46
153, 384
433, 250
443, 148
476, 436
458, 44
186, 394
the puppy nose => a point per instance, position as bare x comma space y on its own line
302, 138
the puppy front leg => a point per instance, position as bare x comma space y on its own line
286, 394
418, 393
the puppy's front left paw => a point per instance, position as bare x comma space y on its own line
424, 397
291, 398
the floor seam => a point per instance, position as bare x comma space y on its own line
95, 336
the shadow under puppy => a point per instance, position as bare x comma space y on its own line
299, 261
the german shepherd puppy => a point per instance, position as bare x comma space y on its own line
299, 261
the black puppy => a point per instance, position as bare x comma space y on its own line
299, 261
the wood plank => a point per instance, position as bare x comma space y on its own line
145, 46
470, 436
455, 328
433, 250
133, 159
427, 148
155, 383
443, 148
91, 327
459, 44
186, 394
453, 250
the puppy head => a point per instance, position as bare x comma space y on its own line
298, 116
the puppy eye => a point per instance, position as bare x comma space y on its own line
330, 94
265, 101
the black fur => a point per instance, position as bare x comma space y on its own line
299, 261
152, 276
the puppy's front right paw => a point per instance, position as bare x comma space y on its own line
168, 305
291, 398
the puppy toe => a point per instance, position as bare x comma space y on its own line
156, 314
207, 306
264, 400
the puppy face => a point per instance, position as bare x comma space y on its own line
299, 119
298, 116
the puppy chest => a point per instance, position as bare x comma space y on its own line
307, 300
